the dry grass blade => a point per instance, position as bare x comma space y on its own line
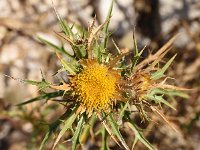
172, 87
92, 35
154, 109
66, 38
64, 87
108, 129
92, 25
17, 79
152, 66
157, 54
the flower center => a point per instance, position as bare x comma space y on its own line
96, 87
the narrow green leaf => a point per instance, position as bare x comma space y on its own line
115, 130
160, 73
45, 96
97, 52
105, 29
121, 115
87, 128
99, 56
178, 93
65, 27
75, 138
67, 125
169, 92
104, 145
160, 99
156, 92
135, 43
52, 128
136, 56
57, 49
175, 93
139, 135
81, 30
47, 136
68, 67
80, 51
40, 84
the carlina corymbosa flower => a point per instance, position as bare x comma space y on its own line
96, 86
102, 90
96, 83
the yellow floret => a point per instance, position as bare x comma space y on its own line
95, 86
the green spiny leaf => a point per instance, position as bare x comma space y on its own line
171, 92
135, 43
80, 51
98, 52
75, 138
139, 135
67, 125
160, 73
65, 27
81, 30
115, 130
45, 96
87, 127
57, 49
160, 99
52, 128
137, 54
121, 115
68, 67
105, 29
40, 84
104, 145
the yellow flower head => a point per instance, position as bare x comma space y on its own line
96, 86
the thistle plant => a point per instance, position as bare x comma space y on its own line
103, 88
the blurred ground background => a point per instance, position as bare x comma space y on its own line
23, 56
